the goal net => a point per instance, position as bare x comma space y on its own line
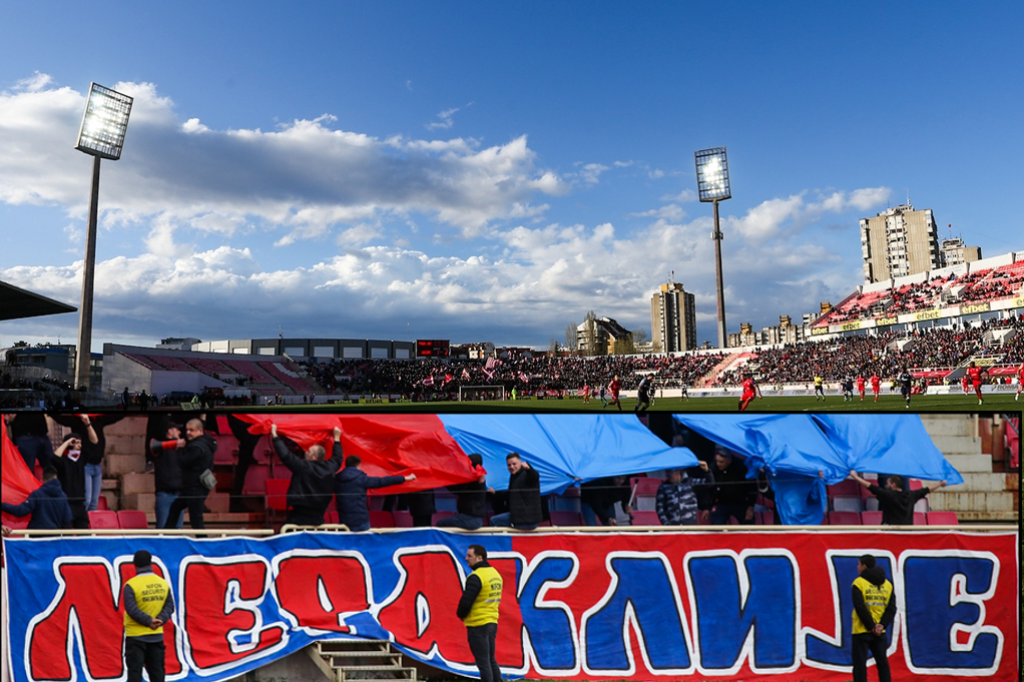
469, 393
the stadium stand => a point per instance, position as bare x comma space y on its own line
403, 519
942, 518
381, 519
871, 518
646, 518
844, 518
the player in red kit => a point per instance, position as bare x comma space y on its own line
860, 387
975, 373
1020, 380
614, 387
876, 385
750, 391
586, 394
965, 383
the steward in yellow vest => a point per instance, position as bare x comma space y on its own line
874, 610
478, 609
148, 604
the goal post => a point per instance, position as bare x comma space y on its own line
471, 393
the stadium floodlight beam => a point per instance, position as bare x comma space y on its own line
101, 134
713, 185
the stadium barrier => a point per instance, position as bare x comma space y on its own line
642, 603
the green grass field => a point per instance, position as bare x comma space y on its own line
886, 403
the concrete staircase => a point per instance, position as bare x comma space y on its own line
367, 660
985, 496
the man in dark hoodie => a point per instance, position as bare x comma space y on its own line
69, 461
47, 504
167, 473
874, 609
471, 500
312, 482
195, 455
350, 488
897, 505
524, 510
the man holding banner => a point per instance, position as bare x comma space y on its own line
148, 604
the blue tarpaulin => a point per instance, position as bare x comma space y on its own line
564, 448
887, 444
793, 448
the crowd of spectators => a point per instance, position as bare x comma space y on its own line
526, 373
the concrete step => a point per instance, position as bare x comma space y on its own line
957, 445
351, 658
967, 517
972, 502
345, 645
973, 464
980, 483
949, 425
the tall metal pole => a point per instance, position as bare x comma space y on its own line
84, 356
717, 236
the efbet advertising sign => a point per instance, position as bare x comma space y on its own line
637, 606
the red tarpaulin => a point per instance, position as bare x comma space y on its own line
386, 444
17, 481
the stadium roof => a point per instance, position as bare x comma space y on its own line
17, 303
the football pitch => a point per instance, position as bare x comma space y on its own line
886, 403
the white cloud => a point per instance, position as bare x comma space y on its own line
446, 121
774, 217
684, 197
305, 176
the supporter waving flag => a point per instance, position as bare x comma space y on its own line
17, 481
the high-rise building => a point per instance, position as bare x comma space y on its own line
899, 242
955, 252
673, 319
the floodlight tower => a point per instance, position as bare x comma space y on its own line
102, 135
713, 186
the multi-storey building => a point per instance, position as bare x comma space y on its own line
898, 242
673, 319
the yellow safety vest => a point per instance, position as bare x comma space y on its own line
150, 595
485, 606
876, 598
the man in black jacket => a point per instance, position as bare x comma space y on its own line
167, 472
897, 505
524, 506
312, 484
471, 500
47, 504
195, 456
734, 493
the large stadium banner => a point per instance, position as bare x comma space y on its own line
629, 605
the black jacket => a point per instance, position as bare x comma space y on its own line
312, 482
471, 498
350, 487
469, 593
195, 458
876, 576
48, 506
732, 485
897, 505
524, 497
166, 469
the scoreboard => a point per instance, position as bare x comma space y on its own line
433, 348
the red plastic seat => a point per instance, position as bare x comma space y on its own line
646, 518
645, 485
277, 494
102, 504
844, 518
381, 519
919, 519
132, 518
942, 518
871, 518
331, 516
566, 518
438, 515
103, 520
403, 519
847, 488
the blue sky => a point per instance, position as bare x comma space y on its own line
490, 172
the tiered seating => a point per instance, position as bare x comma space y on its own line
942, 518
1002, 282
258, 377
142, 360
381, 519
296, 384
103, 520
645, 490
646, 518
132, 518
209, 366
170, 363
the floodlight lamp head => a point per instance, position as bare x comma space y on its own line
712, 174
104, 122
